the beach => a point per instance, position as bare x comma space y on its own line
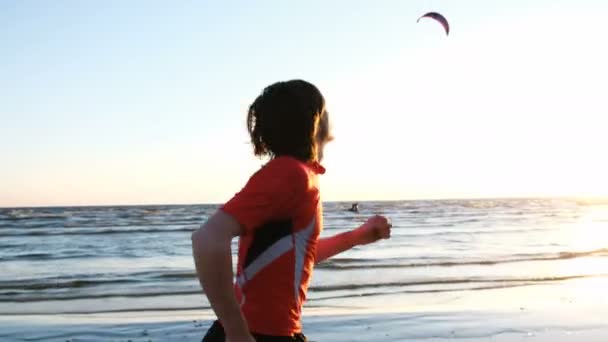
461, 270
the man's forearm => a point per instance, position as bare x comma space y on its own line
213, 260
330, 246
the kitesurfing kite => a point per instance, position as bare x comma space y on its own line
440, 18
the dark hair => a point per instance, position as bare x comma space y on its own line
285, 118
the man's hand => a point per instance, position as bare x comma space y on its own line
375, 228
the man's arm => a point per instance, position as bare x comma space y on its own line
330, 246
213, 260
375, 228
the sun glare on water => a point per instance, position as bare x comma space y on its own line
588, 242
591, 232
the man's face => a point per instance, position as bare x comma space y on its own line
324, 135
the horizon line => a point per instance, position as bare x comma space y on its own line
482, 198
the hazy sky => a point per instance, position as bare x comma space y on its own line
112, 102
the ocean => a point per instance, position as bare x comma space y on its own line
468, 257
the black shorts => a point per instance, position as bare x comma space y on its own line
216, 334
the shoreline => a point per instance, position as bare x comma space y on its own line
564, 312
463, 327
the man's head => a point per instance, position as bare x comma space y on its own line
289, 119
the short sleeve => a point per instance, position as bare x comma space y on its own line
270, 194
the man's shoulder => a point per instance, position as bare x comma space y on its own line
285, 166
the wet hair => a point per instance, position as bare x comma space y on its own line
287, 119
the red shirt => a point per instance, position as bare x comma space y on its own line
281, 212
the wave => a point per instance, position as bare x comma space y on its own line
352, 263
69, 255
95, 279
431, 286
73, 231
44, 284
82, 312
32, 214
66, 297
116, 230
492, 284
468, 232
455, 281
92, 280
592, 202
478, 288
177, 275
11, 245
33, 255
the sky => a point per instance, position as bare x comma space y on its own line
144, 102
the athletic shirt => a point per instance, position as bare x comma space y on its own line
281, 213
